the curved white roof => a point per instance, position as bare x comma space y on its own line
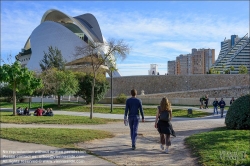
60, 30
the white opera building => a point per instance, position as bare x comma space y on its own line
57, 29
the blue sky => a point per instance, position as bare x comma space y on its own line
157, 31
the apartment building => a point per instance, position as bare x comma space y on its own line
234, 52
171, 67
198, 62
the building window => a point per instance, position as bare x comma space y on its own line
85, 39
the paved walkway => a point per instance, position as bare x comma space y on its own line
117, 149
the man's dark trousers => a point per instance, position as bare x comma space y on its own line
133, 124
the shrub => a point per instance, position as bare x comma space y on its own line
121, 98
85, 88
238, 115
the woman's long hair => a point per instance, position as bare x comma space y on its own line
165, 104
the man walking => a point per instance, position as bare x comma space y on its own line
215, 104
133, 105
222, 104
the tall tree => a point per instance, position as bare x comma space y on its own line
64, 83
19, 79
52, 59
113, 49
47, 77
85, 87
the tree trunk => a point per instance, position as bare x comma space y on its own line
59, 98
29, 102
111, 90
92, 98
14, 99
42, 100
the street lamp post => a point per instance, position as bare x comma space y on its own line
111, 90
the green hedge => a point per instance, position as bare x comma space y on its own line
238, 115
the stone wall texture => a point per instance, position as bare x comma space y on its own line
226, 85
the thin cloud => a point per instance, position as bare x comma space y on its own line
155, 36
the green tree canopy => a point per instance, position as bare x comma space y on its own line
20, 79
213, 71
7, 92
243, 69
85, 88
63, 83
232, 68
52, 59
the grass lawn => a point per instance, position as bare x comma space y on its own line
6, 117
103, 109
62, 138
221, 147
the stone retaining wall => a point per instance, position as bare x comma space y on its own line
226, 92
190, 97
173, 101
152, 84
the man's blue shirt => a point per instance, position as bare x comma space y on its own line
133, 105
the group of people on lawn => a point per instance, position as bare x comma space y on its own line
37, 112
20, 111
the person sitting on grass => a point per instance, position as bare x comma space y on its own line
26, 111
43, 112
19, 111
48, 112
38, 112
51, 112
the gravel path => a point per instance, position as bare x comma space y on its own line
118, 149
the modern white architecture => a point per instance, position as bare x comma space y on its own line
60, 30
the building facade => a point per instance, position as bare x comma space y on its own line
198, 62
57, 29
171, 67
234, 53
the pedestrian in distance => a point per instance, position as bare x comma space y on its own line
222, 105
206, 101
163, 124
215, 104
201, 102
133, 106
231, 101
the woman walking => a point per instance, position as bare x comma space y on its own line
162, 122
